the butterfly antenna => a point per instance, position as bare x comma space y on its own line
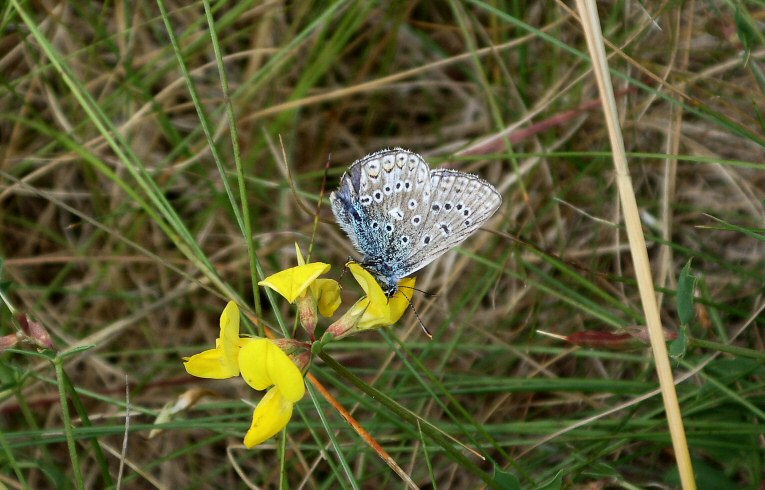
318, 204
345, 267
426, 293
411, 305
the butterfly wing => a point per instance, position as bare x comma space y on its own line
459, 204
377, 202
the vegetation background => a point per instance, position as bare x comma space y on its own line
122, 232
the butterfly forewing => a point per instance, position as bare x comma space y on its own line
377, 201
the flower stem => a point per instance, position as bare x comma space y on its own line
58, 363
730, 349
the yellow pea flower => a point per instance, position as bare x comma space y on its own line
294, 282
375, 309
270, 416
265, 365
223, 361
301, 284
327, 294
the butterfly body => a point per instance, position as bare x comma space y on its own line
401, 215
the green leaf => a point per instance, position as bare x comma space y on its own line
746, 32
554, 484
686, 285
679, 346
505, 480
76, 350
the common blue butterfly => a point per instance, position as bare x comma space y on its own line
402, 216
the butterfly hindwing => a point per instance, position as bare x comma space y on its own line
460, 203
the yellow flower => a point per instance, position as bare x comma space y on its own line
379, 310
263, 365
292, 283
223, 361
327, 294
375, 309
270, 416
301, 284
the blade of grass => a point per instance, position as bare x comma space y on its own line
163, 213
591, 26
256, 271
426, 427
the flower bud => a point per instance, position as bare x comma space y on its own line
346, 324
8, 341
35, 332
308, 313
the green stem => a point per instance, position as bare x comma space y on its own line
730, 349
62, 383
244, 221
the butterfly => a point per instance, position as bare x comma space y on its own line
402, 216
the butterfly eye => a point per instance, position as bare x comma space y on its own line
416, 219
447, 206
436, 207
412, 203
426, 239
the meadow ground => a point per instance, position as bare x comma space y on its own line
159, 159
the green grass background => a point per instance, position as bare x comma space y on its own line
143, 183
